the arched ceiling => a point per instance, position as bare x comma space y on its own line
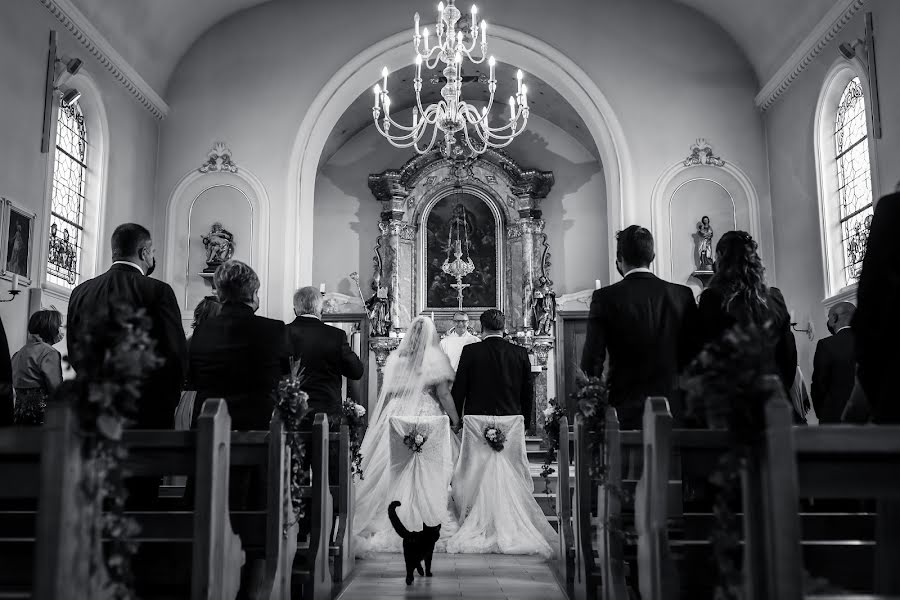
153, 35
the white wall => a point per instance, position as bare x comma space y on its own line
669, 73
347, 214
789, 127
24, 36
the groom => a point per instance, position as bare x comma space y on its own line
494, 376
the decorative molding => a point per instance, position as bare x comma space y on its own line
821, 35
702, 154
99, 47
218, 159
847, 294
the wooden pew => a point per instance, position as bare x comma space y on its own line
825, 462
45, 553
341, 549
565, 561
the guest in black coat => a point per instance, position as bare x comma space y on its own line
324, 354
876, 324
127, 283
494, 375
646, 325
834, 366
6, 395
237, 355
737, 294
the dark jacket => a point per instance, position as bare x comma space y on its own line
647, 326
325, 356
239, 356
125, 285
715, 320
876, 324
494, 378
834, 372
6, 395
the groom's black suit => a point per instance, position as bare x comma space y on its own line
494, 378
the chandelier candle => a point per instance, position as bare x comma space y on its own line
466, 131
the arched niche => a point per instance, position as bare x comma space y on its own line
237, 199
721, 187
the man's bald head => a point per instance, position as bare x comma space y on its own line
840, 316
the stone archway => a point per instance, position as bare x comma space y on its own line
346, 85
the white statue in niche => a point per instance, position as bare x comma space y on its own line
705, 233
219, 244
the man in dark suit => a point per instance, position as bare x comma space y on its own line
646, 325
324, 354
493, 376
834, 365
237, 355
6, 393
128, 283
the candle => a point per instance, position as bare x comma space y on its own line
512, 108
321, 288
492, 62
14, 285
416, 18
377, 91
384, 74
518, 80
596, 284
432, 316
392, 334
425, 32
483, 30
401, 335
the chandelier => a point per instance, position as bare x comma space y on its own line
452, 115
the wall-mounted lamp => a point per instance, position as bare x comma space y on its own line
63, 70
13, 289
70, 97
810, 330
864, 49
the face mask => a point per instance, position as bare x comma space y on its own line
830, 328
151, 268
619, 269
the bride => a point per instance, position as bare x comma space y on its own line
417, 380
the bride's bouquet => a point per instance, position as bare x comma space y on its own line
494, 437
353, 416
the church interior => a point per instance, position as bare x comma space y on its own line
248, 129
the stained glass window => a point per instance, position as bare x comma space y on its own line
67, 198
853, 178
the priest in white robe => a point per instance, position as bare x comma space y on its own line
458, 338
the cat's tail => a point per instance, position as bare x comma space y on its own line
402, 531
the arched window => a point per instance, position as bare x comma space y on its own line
843, 162
67, 200
854, 177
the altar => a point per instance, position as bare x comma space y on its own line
463, 235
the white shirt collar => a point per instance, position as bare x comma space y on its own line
496, 335
842, 328
129, 263
312, 316
638, 270
459, 335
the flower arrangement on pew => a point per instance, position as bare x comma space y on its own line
723, 390
552, 415
494, 437
353, 417
292, 405
113, 353
415, 440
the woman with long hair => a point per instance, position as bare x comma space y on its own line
738, 294
417, 378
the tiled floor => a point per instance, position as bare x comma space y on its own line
481, 576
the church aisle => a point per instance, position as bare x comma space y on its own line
482, 576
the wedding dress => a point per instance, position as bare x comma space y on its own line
412, 376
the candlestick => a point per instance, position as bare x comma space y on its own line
377, 91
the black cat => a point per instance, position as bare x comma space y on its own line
418, 546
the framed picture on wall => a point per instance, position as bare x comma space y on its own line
16, 241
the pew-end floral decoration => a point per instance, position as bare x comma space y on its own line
354, 416
552, 416
414, 440
292, 404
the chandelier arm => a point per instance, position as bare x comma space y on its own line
478, 150
430, 144
396, 141
394, 123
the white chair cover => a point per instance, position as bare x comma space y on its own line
494, 493
421, 480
